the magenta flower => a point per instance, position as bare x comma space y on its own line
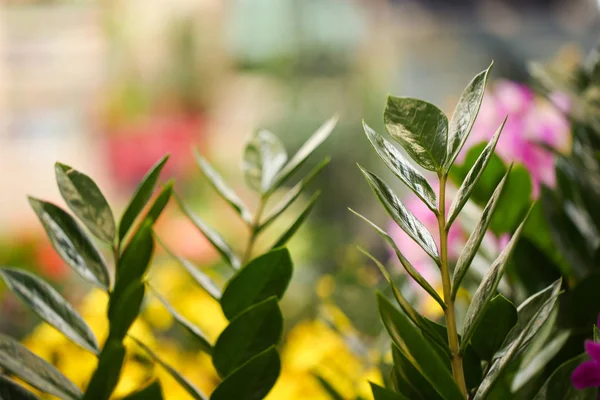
588, 373
531, 121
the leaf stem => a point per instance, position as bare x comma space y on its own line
254, 231
456, 358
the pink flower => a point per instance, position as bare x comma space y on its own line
531, 121
587, 374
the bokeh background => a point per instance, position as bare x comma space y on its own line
109, 86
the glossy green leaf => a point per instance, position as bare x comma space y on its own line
87, 201
195, 331
151, 392
419, 383
410, 270
380, 393
402, 385
596, 334
160, 202
264, 277
402, 168
50, 306
305, 150
468, 184
464, 115
420, 127
72, 243
252, 381
248, 334
291, 196
202, 279
526, 313
401, 215
133, 263
107, 373
514, 201
328, 388
498, 319
559, 386
472, 246
188, 386
10, 390
212, 236
19, 361
264, 156
405, 305
125, 309
539, 361
140, 198
500, 364
407, 336
287, 235
487, 288
223, 189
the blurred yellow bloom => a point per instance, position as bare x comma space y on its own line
311, 347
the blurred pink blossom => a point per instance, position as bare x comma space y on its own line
531, 121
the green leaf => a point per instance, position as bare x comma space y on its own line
526, 313
10, 390
72, 243
133, 263
264, 156
401, 215
19, 361
559, 385
497, 321
407, 336
487, 288
213, 236
380, 393
265, 276
596, 334
514, 201
539, 361
328, 388
151, 392
306, 150
407, 367
252, 381
464, 115
468, 184
223, 189
402, 385
292, 195
405, 263
87, 201
124, 310
181, 380
420, 127
502, 362
202, 279
107, 372
140, 198
50, 306
160, 203
287, 235
408, 309
472, 246
195, 331
402, 168
250, 333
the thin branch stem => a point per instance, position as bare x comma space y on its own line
456, 358
254, 231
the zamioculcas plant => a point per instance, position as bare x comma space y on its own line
131, 244
245, 354
433, 361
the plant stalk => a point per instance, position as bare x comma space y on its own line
254, 231
456, 358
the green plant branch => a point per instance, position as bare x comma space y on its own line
254, 230
456, 358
